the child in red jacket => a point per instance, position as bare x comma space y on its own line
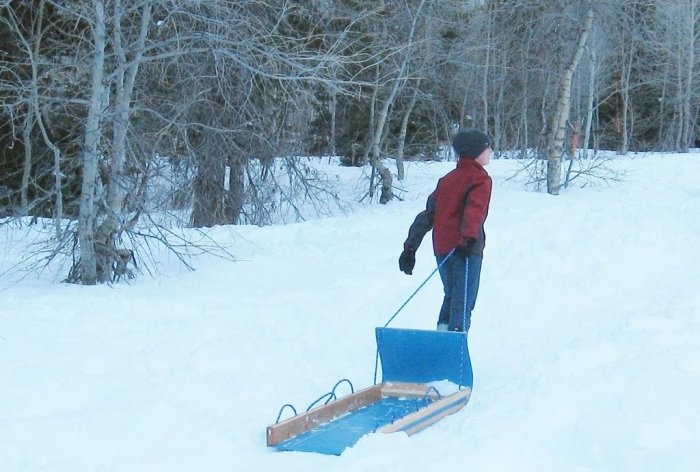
456, 212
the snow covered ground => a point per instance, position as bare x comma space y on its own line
585, 341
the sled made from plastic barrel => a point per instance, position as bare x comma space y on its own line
403, 401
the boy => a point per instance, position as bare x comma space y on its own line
456, 212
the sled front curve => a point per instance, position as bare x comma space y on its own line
407, 400
422, 356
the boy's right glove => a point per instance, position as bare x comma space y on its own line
466, 248
407, 260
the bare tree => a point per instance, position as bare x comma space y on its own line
253, 83
393, 81
21, 91
124, 80
400, 172
678, 36
561, 111
102, 101
88, 270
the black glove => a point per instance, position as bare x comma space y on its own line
466, 248
407, 260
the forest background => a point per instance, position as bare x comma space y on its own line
124, 120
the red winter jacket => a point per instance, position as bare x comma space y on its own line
456, 210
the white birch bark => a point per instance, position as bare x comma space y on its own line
27, 167
399, 82
400, 171
125, 79
334, 110
558, 129
588, 127
689, 64
86, 219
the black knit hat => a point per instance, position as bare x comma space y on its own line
470, 142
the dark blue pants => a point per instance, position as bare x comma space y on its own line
457, 306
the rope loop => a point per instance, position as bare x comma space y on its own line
352, 389
330, 395
286, 405
432, 389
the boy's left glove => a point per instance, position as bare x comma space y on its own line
407, 260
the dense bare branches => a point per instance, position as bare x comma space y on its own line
119, 115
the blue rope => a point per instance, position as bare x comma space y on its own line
464, 317
466, 285
419, 287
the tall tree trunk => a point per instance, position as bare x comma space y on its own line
626, 107
334, 112
402, 133
209, 193
398, 83
27, 167
497, 132
87, 272
375, 156
558, 128
661, 133
116, 185
235, 193
524, 128
689, 65
58, 180
588, 127
487, 69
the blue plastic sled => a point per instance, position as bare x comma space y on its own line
405, 401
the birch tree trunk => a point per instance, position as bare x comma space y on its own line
558, 128
124, 85
402, 133
588, 127
688, 62
334, 111
485, 79
626, 107
58, 175
398, 83
375, 156
87, 271
27, 168
524, 133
